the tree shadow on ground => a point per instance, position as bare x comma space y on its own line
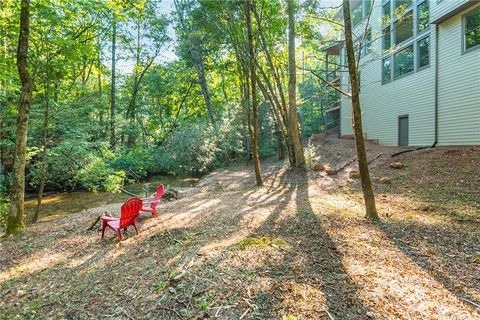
447, 252
312, 262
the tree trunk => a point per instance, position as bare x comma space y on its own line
256, 126
204, 86
16, 217
44, 152
196, 55
292, 87
112, 91
371, 211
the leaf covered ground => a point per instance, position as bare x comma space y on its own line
296, 248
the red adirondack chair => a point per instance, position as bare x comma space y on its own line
128, 217
150, 204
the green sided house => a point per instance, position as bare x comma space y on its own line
419, 71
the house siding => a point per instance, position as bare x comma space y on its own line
414, 94
459, 86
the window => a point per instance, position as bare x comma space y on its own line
404, 28
405, 37
387, 70
401, 5
387, 43
472, 30
360, 9
368, 7
403, 62
357, 13
386, 13
423, 16
368, 42
423, 49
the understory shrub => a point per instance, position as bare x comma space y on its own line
4, 200
97, 176
190, 150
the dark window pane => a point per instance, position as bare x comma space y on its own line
401, 5
387, 69
404, 61
423, 52
404, 28
368, 41
357, 12
368, 7
472, 30
387, 43
423, 16
386, 14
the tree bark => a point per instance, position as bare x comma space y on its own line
282, 105
112, 91
371, 211
292, 87
16, 217
44, 152
196, 55
256, 125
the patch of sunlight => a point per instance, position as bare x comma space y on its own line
261, 242
208, 204
33, 264
75, 263
301, 296
220, 244
390, 278
337, 203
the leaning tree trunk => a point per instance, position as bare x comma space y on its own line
44, 152
253, 82
16, 216
371, 211
292, 88
112, 90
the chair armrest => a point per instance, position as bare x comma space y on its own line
109, 218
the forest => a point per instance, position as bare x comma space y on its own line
234, 106
95, 127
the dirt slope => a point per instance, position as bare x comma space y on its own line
297, 248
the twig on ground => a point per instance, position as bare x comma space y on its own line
171, 310
125, 312
244, 313
471, 302
329, 314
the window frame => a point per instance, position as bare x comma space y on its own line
412, 41
417, 54
464, 36
395, 77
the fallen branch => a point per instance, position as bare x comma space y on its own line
129, 193
98, 219
355, 159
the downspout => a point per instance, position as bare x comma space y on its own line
436, 85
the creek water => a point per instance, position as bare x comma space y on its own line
64, 203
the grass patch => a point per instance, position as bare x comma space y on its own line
261, 242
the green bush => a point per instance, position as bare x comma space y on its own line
4, 200
138, 162
97, 176
190, 150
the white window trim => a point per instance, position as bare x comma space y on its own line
464, 36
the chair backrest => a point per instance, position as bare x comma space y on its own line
158, 196
130, 211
